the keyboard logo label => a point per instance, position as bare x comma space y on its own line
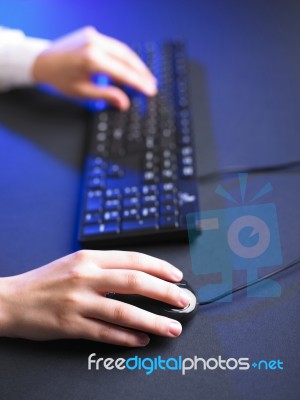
244, 237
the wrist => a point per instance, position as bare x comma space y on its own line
5, 306
38, 68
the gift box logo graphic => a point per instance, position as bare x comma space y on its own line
243, 237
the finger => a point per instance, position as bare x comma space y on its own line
124, 53
128, 316
144, 75
137, 282
105, 332
111, 94
101, 62
128, 56
114, 259
132, 62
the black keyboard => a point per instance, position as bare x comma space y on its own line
139, 168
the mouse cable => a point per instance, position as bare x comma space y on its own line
246, 285
231, 170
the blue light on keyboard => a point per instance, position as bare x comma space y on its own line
139, 170
99, 80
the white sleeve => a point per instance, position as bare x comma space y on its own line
17, 55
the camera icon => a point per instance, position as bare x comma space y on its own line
245, 237
255, 227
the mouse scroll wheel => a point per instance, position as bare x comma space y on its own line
189, 303
187, 306
192, 303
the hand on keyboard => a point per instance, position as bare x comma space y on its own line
139, 172
69, 63
67, 299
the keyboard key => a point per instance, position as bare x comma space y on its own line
149, 189
169, 187
110, 216
187, 160
149, 165
94, 202
96, 172
185, 122
168, 164
102, 150
168, 198
150, 176
149, 212
184, 113
94, 193
186, 198
96, 183
102, 126
115, 171
186, 139
131, 191
168, 221
149, 156
150, 200
101, 136
97, 229
139, 225
167, 209
187, 172
186, 151
113, 193
167, 153
168, 174
131, 202
167, 133
131, 213
113, 204
103, 116
150, 143
118, 133
92, 218
97, 161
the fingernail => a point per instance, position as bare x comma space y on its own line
177, 274
151, 88
184, 299
175, 328
122, 104
143, 339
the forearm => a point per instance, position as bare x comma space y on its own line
17, 56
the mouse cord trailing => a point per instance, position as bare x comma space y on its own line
232, 170
246, 285
235, 169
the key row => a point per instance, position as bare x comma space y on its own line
130, 213
165, 222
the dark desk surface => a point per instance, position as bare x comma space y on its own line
245, 67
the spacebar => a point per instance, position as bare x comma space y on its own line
140, 225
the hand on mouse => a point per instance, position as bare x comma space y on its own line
67, 299
70, 61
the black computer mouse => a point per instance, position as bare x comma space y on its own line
160, 308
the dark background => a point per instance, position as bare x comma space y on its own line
245, 78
